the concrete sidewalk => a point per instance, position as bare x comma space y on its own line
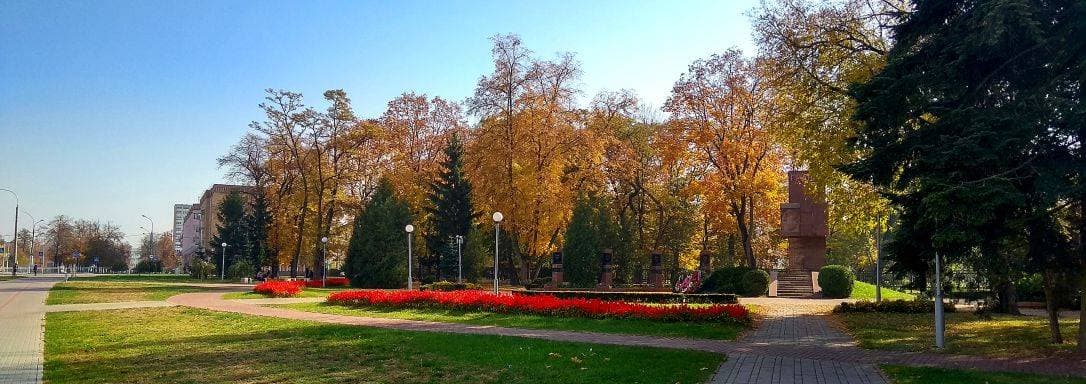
22, 315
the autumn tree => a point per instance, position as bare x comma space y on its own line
724, 113
519, 154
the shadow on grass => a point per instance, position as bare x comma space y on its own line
189, 345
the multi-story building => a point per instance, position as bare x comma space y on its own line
179, 213
209, 206
192, 230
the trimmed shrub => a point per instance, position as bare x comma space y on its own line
836, 281
641, 297
448, 286
891, 306
240, 270
725, 280
755, 283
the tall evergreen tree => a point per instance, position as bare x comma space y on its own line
591, 229
974, 128
232, 230
452, 213
257, 223
377, 254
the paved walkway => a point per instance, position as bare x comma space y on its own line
823, 344
22, 314
796, 323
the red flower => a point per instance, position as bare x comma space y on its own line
279, 288
332, 282
540, 305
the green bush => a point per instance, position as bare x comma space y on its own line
240, 270
891, 306
836, 281
755, 283
148, 266
450, 286
725, 280
200, 269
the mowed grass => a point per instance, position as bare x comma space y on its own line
924, 375
306, 292
700, 330
95, 291
865, 291
180, 345
966, 333
149, 278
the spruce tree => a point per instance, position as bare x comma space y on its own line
232, 230
591, 229
451, 213
257, 222
377, 254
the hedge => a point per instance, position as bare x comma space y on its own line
450, 286
641, 297
891, 306
725, 280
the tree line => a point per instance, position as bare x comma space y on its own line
948, 128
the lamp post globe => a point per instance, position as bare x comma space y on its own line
222, 266
409, 228
497, 216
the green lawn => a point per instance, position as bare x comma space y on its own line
966, 333
862, 290
722, 331
306, 292
180, 345
4, 277
96, 291
150, 278
924, 375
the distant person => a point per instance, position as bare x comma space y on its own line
35, 269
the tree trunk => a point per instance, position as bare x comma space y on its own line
1052, 308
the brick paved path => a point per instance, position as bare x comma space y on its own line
829, 350
796, 325
22, 312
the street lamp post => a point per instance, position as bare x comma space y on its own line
152, 238
459, 259
497, 228
34, 239
940, 324
222, 268
15, 236
409, 228
324, 259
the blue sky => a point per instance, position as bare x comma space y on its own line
113, 109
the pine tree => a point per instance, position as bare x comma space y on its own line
232, 230
377, 254
452, 212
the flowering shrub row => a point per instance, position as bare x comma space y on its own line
279, 288
540, 305
332, 282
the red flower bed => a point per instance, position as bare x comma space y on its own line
279, 288
332, 282
540, 305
